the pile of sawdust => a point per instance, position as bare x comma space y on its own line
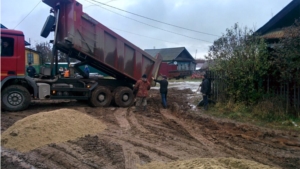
203, 163
49, 127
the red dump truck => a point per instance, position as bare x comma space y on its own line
81, 37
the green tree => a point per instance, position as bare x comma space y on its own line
286, 60
243, 58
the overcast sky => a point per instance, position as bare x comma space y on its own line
206, 16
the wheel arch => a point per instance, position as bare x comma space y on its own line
25, 81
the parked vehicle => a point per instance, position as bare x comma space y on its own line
81, 37
178, 74
170, 70
196, 75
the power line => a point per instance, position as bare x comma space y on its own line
155, 19
104, 2
132, 32
28, 14
152, 25
145, 36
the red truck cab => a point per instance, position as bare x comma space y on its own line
17, 89
12, 53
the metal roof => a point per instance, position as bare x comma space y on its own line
169, 54
284, 18
3, 27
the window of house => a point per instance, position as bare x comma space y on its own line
30, 58
7, 46
179, 67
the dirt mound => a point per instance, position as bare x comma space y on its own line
49, 127
213, 163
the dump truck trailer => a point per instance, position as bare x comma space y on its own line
81, 37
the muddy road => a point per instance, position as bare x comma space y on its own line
167, 135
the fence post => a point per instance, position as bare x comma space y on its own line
287, 98
298, 101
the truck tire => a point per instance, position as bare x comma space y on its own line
101, 97
123, 97
48, 26
15, 98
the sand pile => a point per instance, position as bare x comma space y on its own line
49, 127
207, 163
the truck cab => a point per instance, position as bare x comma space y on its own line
17, 89
12, 53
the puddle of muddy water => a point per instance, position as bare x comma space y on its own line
181, 85
186, 85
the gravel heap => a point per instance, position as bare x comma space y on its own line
49, 127
204, 163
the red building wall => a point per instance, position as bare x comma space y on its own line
165, 68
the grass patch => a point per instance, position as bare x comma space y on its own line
266, 114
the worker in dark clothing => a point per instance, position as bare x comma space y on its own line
30, 70
205, 90
163, 89
61, 71
86, 72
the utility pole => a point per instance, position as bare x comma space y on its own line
196, 55
30, 54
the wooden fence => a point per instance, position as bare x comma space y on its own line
288, 92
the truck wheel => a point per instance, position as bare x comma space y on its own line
48, 26
15, 98
101, 97
123, 96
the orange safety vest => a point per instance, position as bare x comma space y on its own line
67, 73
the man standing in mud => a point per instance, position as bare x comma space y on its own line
141, 87
205, 90
163, 90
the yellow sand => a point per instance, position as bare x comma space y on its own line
49, 127
207, 163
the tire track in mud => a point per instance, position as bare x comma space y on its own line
167, 130
141, 138
155, 127
248, 142
210, 146
120, 116
245, 146
135, 149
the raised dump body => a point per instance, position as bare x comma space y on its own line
82, 37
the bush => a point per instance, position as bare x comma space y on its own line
243, 59
271, 109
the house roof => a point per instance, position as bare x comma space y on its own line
4, 27
168, 53
284, 18
32, 50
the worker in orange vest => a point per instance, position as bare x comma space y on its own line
66, 73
